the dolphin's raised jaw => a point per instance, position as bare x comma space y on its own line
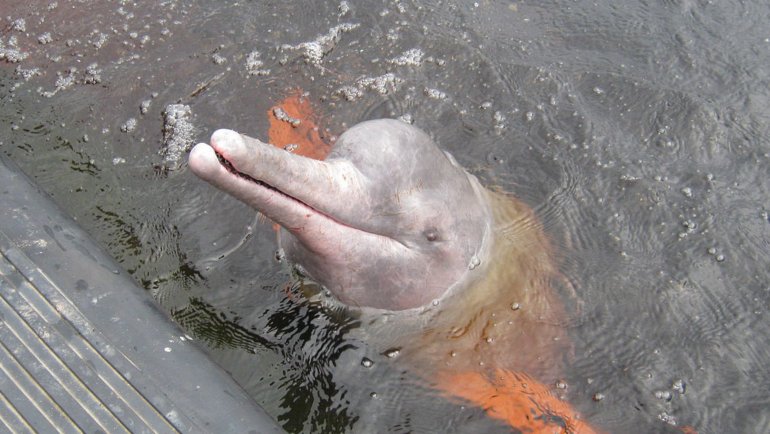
266, 178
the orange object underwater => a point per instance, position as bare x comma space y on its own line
516, 399
293, 127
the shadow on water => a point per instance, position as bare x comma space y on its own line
638, 131
307, 341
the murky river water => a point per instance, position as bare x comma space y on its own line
638, 131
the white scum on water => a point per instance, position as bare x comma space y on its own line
128, 126
413, 57
93, 74
343, 8
382, 84
19, 25
10, 51
314, 51
64, 81
45, 38
434, 93
254, 64
178, 134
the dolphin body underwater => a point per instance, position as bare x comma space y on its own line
391, 225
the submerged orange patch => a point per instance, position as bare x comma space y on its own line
293, 126
516, 399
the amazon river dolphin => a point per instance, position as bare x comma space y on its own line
390, 223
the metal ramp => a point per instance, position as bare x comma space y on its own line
83, 349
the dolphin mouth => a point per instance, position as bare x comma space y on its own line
230, 168
290, 206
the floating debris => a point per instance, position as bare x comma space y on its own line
314, 51
26, 74
499, 118
98, 39
144, 106
411, 57
383, 85
65, 81
128, 126
93, 74
11, 53
678, 386
20, 25
669, 419
343, 8
45, 38
281, 115
434, 93
254, 64
350, 93
178, 134
220, 59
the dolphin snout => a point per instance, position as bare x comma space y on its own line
203, 161
230, 145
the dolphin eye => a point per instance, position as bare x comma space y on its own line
431, 234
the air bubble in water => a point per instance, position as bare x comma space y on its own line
678, 386
392, 353
669, 419
475, 262
128, 126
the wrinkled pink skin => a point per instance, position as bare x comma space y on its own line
387, 221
